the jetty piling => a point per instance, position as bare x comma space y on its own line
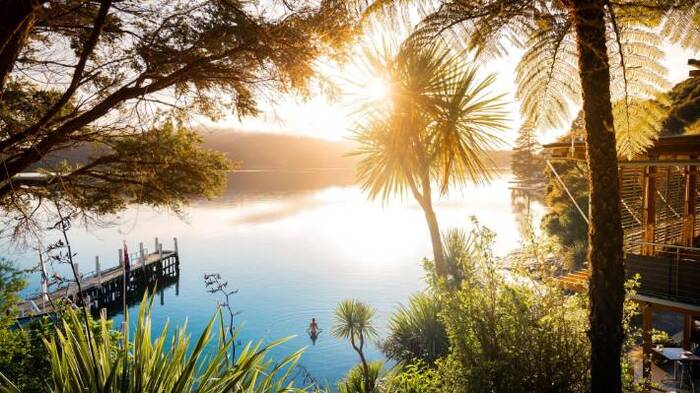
104, 287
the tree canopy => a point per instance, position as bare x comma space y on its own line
123, 79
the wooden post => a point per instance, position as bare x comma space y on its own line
103, 314
175, 244
155, 248
646, 342
121, 258
649, 206
98, 271
687, 329
141, 250
689, 206
160, 253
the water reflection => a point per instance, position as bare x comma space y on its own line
526, 205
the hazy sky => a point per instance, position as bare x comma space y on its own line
327, 119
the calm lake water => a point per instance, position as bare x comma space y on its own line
294, 244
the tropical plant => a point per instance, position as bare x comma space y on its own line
354, 381
167, 364
354, 322
436, 127
416, 332
589, 52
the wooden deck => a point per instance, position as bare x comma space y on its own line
103, 288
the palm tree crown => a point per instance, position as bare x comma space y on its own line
439, 123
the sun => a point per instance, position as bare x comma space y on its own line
378, 89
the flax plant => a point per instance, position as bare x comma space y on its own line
169, 363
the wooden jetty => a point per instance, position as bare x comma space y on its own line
103, 288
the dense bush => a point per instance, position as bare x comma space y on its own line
23, 356
416, 332
508, 332
413, 378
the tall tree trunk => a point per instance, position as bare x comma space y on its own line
424, 198
605, 255
435, 237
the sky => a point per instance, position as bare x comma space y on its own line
326, 118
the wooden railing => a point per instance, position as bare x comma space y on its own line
673, 273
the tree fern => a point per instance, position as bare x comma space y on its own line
682, 25
547, 77
637, 124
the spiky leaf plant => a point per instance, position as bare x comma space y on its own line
354, 322
168, 363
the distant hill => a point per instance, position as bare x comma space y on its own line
277, 151
260, 151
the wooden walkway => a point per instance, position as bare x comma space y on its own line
103, 288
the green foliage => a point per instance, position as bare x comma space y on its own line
638, 124
168, 364
682, 24
684, 111
563, 220
24, 358
164, 166
416, 332
527, 164
11, 282
511, 334
413, 378
354, 381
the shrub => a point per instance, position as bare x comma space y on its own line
416, 332
509, 332
413, 378
354, 381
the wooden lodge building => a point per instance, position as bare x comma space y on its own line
660, 206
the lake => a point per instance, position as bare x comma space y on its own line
295, 244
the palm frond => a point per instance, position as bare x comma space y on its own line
354, 319
438, 122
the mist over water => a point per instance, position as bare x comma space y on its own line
295, 243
